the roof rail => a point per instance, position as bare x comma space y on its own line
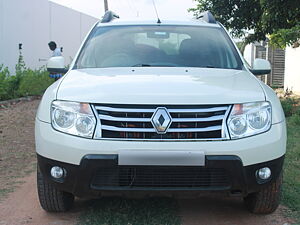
207, 16
109, 16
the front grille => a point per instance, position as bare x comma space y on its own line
160, 177
188, 122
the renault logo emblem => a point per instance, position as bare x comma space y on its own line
161, 120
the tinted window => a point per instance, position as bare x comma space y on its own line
180, 46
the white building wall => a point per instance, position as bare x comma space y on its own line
249, 54
36, 22
292, 69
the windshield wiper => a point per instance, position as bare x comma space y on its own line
155, 65
141, 65
210, 66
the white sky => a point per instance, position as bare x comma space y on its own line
171, 9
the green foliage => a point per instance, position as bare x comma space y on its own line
277, 18
291, 178
286, 37
4, 73
241, 45
295, 119
288, 106
20, 67
8, 84
34, 82
24, 83
236, 15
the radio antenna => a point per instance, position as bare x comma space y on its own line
158, 20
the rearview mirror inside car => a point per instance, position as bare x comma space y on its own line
158, 35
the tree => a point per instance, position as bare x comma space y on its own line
279, 20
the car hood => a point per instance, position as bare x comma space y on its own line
160, 86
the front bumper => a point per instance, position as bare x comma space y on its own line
71, 149
100, 173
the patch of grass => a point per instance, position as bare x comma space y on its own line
12, 183
31, 168
291, 186
9, 187
121, 211
4, 192
288, 105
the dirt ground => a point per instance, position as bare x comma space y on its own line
226, 211
20, 205
17, 154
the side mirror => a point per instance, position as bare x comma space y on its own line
56, 65
261, 67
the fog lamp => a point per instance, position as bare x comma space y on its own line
264, 173
57, 172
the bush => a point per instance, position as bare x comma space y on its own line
297, 111
34, 82
288, 106
4, 73
295, 120
26, 82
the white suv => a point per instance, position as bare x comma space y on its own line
159, 106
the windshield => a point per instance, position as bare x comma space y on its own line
160, 46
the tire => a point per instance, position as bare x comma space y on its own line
51, 199
267, 200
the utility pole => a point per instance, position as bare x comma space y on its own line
105, 5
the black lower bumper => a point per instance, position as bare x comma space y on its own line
100, 173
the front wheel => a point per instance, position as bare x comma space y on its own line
267, 200
52, 199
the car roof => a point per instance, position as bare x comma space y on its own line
186, 22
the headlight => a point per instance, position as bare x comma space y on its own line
73, 118
249, 119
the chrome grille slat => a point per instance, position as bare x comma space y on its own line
212, 128
214, 109
125, 119
211, 118
122, 129
111, 109
189, 122
147, 110
178, 120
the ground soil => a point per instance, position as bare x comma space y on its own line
17, 154
20, 206
226, 211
